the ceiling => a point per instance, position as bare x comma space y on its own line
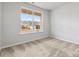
49, 5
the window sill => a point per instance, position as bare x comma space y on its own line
30, 32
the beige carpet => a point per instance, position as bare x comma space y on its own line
42, 48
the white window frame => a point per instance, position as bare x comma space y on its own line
41, 25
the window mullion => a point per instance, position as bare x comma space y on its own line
32, 21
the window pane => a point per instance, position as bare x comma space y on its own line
26, 22
37, 21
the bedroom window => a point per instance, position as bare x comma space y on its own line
31, 21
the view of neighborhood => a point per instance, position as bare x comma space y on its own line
26, 26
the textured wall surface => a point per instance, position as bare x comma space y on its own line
0, 23
65, 22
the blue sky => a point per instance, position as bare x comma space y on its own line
27, 17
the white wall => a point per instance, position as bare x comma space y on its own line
11, 21
65, 22
0, 24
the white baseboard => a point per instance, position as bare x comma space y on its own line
51, 36
59, 38
23, 42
